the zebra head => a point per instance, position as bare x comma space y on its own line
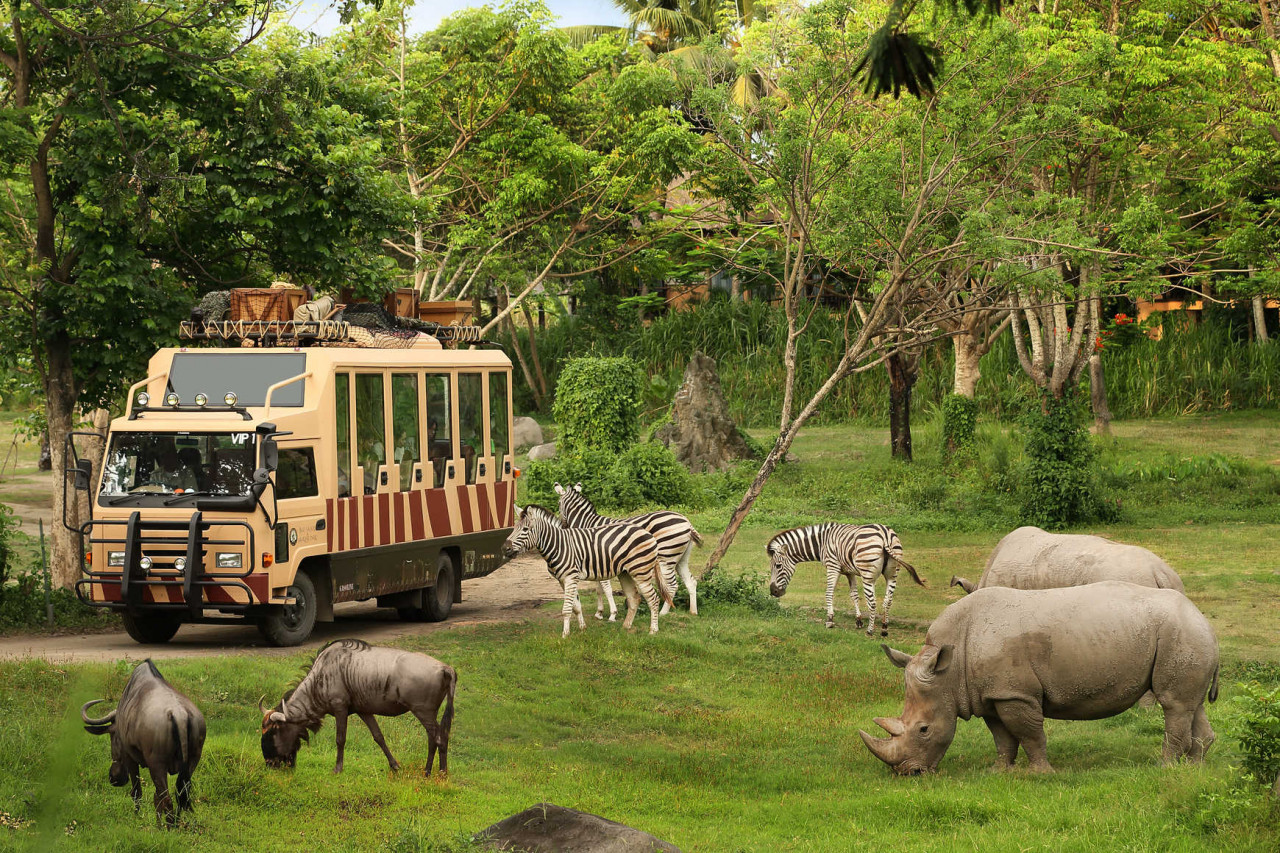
575, 508
533, 521
782, 565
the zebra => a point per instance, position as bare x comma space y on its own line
867, 550
626, 551
672, 531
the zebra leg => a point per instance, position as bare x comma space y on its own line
869, 590
633, 599
853, 597
577, 610
669, 573
606, 594
651, 595
888, 601
833, 574
690, 583
570, 600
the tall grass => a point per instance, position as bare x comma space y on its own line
1197, 369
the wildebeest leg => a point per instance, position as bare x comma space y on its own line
340, 735
379, 739
135, 786
633, 599
184, 792
1025, 722
1177, 732
833, 574
435, 740
1006, 744
1202, 736
164, 805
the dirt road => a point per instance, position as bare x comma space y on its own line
512, 592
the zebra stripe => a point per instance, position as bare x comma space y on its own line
671, 530
624, 551
861, 551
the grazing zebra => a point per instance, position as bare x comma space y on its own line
672, 531
626, 551
867, 550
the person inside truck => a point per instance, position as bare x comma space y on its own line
168, 469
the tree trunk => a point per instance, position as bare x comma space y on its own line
1260, 318
1098, 396
533, 351
735, 288
60, 403
740, 512
901, 380
968, 357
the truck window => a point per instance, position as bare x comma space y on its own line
296, 473
500, 444
404, 425
371, 428
470, 421
342, 409
249, 375
439, 426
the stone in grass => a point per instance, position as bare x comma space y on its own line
543, 451
525, 432
701, 433
547, 828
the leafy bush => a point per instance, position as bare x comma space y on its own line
598, 405
748, 591
959, 423
1258, 730
655, 475
1060, 478
643, 475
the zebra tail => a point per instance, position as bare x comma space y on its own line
910, 568
664, 584
695, 536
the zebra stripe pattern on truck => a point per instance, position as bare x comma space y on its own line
671, 530
625, 551
864, 551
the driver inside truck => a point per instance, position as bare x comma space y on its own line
169, 469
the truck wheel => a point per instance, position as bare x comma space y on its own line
291, 624
437, 601
151, 630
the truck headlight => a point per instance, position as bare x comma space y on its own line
115, 558
227, 560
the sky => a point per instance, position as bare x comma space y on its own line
321, 17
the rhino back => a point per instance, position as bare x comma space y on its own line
1031, 558
1082, 652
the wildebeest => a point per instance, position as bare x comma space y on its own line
1031, 558
353, 677
156, 726
1018, 657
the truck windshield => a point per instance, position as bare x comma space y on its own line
249, 375
142, 463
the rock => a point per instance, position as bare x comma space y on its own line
547, 828
542, 451
701, 433
525, 433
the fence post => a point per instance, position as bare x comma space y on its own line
44, 562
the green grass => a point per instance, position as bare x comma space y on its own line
735, 730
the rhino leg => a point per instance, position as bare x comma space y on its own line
833, 574
1202, 736
340, 736
1187, 734
1006, 743
379, 739
1025, 722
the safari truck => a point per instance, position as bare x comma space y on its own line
303, 466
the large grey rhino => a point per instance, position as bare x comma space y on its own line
1031, 558
1015, 657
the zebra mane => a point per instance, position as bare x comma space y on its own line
539, 510
774, 544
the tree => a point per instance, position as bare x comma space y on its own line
152, 152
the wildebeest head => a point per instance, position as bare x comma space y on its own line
282, 739
117, 774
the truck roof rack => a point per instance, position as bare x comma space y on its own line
320, 333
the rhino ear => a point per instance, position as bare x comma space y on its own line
941, 659
559, 489
899, 659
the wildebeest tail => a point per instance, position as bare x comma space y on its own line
1213, 686
446, 721
910, 568
180, 736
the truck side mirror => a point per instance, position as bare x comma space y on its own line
83, 473
270, 455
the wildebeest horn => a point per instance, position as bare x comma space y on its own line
261, 707
882, 748
104, 721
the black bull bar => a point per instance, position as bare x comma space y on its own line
164, 541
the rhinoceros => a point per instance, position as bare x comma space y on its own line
1015, 657
1031, 558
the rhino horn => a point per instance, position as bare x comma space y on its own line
885, 749
892, 725
105, 721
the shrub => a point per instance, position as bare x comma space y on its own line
1060, 479
598, 405
1258, 731
643, 475
959, 423
652, 471
748, 591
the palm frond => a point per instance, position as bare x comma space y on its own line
584, 34
898, 60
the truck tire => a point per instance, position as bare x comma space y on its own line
152, 629
291, 624
437, 601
